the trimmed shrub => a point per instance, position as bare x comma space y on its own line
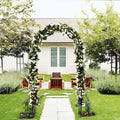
108, 86
10, 82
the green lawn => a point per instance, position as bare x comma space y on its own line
11, 104
106, 107
66, 77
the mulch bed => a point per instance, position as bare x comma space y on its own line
85, 114
26, 115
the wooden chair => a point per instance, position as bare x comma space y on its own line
73, 82
25, 83
56, 81
88, 82
39, 83
42, 79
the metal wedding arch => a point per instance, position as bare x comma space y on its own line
33, 57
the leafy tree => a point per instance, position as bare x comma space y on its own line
15, 26
101, 34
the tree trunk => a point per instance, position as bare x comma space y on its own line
111, 65
2, 63
119, 65
16, 63
20, 63
23, 62
116, 65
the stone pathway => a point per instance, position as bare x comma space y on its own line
57, 108
67, 85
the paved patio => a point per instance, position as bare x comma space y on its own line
57, 108
67, 85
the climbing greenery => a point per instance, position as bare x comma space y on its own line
33, 57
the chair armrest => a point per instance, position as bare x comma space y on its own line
43, 78
70, 78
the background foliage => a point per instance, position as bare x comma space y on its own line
101, 34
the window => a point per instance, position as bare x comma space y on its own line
53, 57
58, 57
62, 61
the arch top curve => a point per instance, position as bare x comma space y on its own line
51, 29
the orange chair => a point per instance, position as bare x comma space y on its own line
56, 81
88, 82
25, 83
73, 82
41, 79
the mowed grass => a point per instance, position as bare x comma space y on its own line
56, 92
11, 104
66, 77
106, 107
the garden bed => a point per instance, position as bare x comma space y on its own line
26, 115
85, 114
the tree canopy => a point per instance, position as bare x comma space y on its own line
101, 34
15, 26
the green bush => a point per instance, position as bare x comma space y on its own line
112, 73
108, 86
94, 65
96, 74
10, 82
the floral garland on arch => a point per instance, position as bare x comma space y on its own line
33, 57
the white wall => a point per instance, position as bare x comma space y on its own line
9, 63
103, 66
44, 64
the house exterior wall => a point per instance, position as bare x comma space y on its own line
57, 40
44, 64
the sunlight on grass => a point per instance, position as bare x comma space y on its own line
104, 106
